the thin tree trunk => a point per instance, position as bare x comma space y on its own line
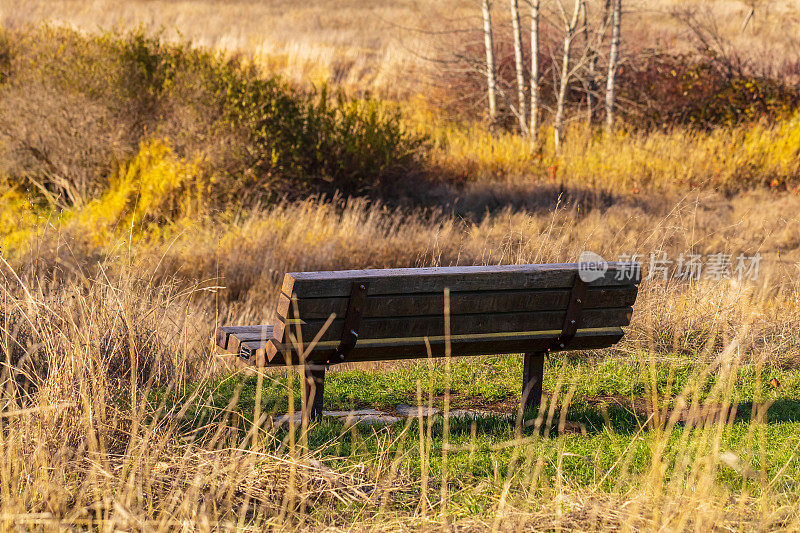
520, 67
591, 68
591, 96
569, 35
488, 40
613, 59
534, 128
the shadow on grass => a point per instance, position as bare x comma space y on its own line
586, 415
582, 418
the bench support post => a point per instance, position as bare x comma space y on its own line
352, 321
313, 389
532, 376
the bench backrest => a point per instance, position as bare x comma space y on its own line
400, 313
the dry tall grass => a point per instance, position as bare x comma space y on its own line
89, 328
681, 159
386, 46
344, 42
104, 320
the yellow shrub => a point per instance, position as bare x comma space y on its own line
154, 191
19, 221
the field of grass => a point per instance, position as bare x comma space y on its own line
138, 212
363, 45
683, 412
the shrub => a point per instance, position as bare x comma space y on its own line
310, 142
154, 189
80, 107
663, 90
655, 89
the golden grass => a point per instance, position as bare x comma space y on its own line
248, 252
110, 306
385, 46
101, 303
682, 158
110, 320
343, 43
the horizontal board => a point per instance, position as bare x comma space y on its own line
436, 279
470, 302
230, 338
433, 325
274, 354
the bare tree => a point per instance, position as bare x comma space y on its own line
488, 39
519, 65
535, 82
590, 80
570, 25
705, 28
593, 37
613, 59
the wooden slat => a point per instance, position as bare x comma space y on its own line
494, 309
224, 333
436, 279
470, 302
432, 325
230, 338
408, 348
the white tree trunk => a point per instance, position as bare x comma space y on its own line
613, 59
488, 40
519, 65
569, 35
591, 68
534, 128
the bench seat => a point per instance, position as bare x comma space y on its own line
324, 318
248, 344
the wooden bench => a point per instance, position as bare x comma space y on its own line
325, 318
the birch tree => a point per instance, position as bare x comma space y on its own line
570, 25
592, 47
519, 59
488, 40
613, 59
535, 83
590, 80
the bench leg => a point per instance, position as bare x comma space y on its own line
314, 389
532, 376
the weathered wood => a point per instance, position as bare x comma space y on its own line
351, 325
436, 279
224, 333
433, 325
497, 310
275, 354
313, 390
469, 302
231, 337
399, 314
532, 379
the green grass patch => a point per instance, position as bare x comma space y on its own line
615, 449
